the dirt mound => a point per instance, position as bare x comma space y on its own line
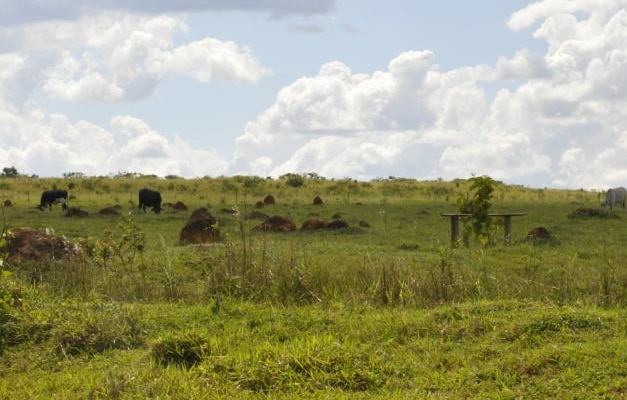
336, 224
539, 233
7, 203
540, 236
109, 211
201, 212
269, 200
258, 215
201, 227
34, 245
76, 212
364, 224
259, 204
317, 201
312, 224
179, 206
277, 224
585, 212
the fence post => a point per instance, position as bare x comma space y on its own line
507, 229
454, 229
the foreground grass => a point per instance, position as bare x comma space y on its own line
505, 349
384, 311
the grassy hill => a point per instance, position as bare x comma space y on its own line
383, 308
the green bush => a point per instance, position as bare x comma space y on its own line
478, 205
183, 349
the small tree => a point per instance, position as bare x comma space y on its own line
74, 174
478, 205
293, 180
10, 172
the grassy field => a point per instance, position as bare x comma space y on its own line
385, 308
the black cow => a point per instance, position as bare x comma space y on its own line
150, 198
50, 197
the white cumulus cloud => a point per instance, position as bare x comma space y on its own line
554, 118
50, 145
558, 119
114, 57
105, 57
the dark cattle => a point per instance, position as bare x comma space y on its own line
150, 198
50, 197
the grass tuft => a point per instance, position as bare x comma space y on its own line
185, 350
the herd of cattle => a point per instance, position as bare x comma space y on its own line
149, 198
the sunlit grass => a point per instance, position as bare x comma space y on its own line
386, 309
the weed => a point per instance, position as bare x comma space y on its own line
390, 285
443, 279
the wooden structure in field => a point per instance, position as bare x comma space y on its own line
507, 224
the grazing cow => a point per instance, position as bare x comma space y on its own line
150, 198
614, 196
50, 197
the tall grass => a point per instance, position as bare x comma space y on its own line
385, 309
403, 259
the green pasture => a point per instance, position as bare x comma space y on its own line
385, 308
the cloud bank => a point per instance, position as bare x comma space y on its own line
107, 58
559, 120
28, 11
556, 119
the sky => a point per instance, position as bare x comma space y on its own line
527, 92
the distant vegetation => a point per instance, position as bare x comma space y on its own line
111, 305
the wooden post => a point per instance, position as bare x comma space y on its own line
454, 229
507, 229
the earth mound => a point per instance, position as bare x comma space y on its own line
34, 245
201, 227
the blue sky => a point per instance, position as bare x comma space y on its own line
528, 92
